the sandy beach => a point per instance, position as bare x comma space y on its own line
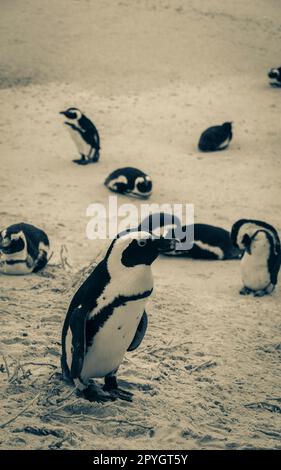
152, 74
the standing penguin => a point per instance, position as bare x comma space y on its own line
262, 256
274, 76
106, 316
23, 249
129, 181
85, 135
216, 138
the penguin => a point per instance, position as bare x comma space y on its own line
216, 138
129, 181
23, 249
260, 264
274, 76
85, 135
262, 255
107, 316
210, 242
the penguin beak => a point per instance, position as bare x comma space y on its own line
62, 112
247, 243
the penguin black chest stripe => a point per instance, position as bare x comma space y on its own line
96, 323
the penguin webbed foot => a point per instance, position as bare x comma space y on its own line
245, 291
93, 394
96, 157
81, 161
111, 386
267, 291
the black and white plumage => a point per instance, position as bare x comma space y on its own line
85, 135
209, 242
23, 249
107, 317
216, 138
129, 181
274, 76
261, 260
161, 223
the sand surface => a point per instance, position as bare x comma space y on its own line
153, 75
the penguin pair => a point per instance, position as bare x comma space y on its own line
129, 181
274, 76
216, 138
209, 242
84, 134
261, 260
107, 317
23, 249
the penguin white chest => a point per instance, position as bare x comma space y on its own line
82, 146
254, 270
19, 267
112, 340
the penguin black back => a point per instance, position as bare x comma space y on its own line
216, 138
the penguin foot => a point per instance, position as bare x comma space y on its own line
260, 293
81, 161
120, 393
245, 291
267, 291
111, 387
92, 394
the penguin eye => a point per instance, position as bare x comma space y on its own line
142, 242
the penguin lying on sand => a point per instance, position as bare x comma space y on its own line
274, 76
216, 138
107, 317
85, 135
23, 249
260, 264
129, 181
210, 242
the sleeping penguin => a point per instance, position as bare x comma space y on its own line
107, 317
85, 135
23, 249
262, 256
216, 138
274, 76
209, 242
129, 181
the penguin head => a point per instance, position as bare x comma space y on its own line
12, 241
72, 114
259, 243
143, 186
136, 248
227, 126
275, 73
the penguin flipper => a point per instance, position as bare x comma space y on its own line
77, 326
274, 267
139, 335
